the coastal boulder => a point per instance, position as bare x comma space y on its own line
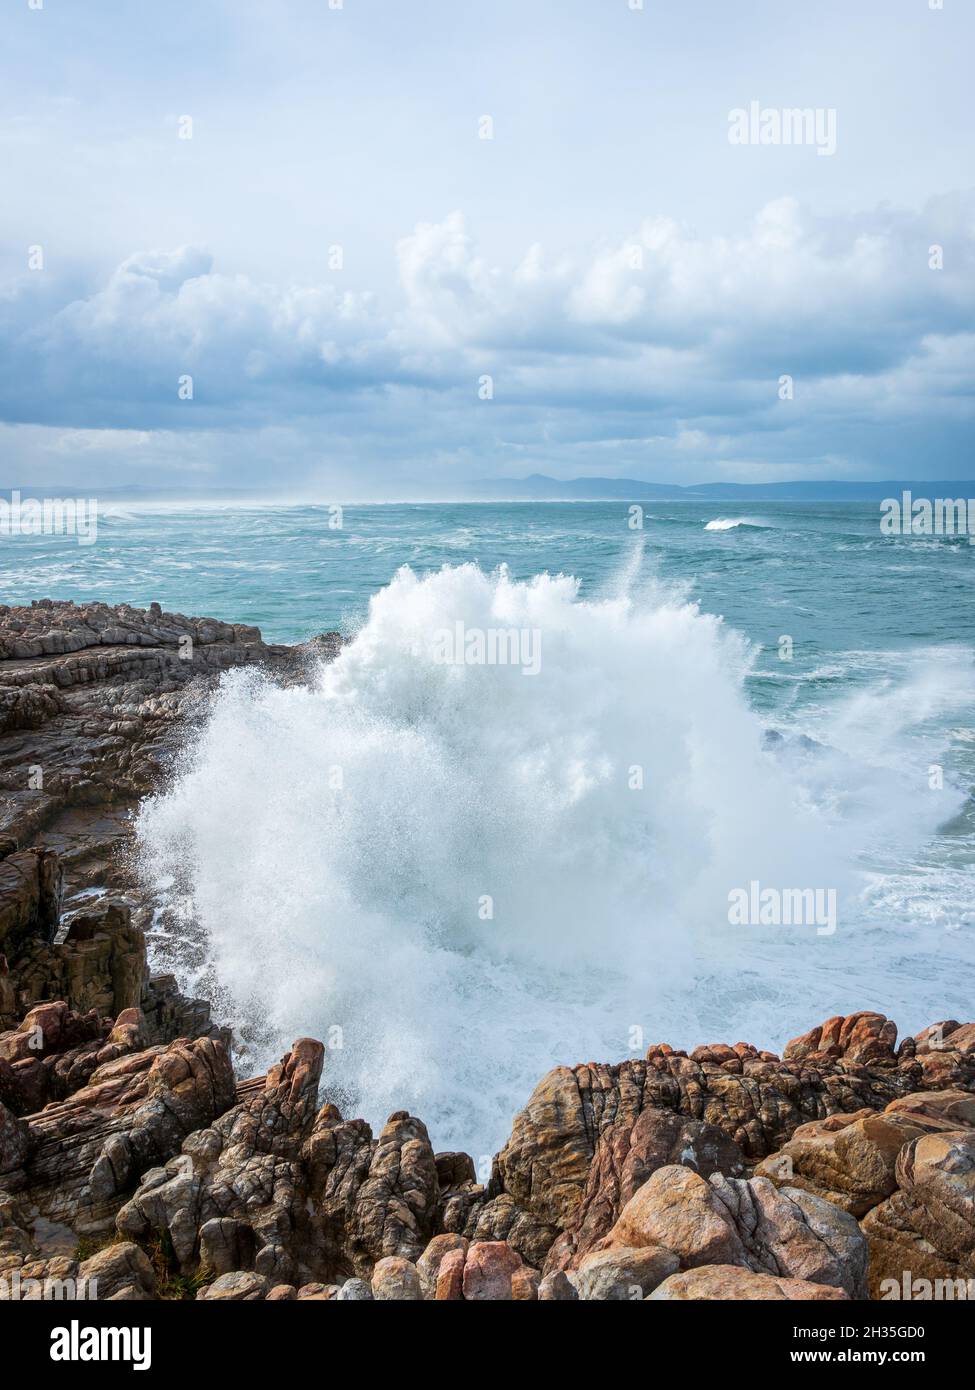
396, 1279
119, 1273
926, 1229
355, 1291
851, 1159
623, 1272
728, 1282
429, 1264
240, 1286
731, 1221
450, 1277
489, 1269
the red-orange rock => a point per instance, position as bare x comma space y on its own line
450, 1277
488, 1271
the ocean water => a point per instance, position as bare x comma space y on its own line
460, 875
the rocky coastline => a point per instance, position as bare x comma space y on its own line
134, 1164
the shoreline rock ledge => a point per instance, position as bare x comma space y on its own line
134, 1165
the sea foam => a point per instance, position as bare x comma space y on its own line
459, 876
731, 523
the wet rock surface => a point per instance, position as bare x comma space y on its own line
135, 1165
94, 701
189, 1184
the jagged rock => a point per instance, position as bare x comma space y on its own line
226, 1244
118, 1105
396, 1279
86, 691
851, 1159
677, 1209
454, 1170
97, 963
753, 1098
46, 1029
237, 1189
31, 888
92, 702
461, 1195
370, 1198
623, 1272
40, 1280
613, 1175
732, 1221
55, 1052
90, 959
336, 1158
169, 1014
866, 1038
395, 1208
625, 1156
92, 1148
501, 1219
88, 965
926, 1229
730, 1282
945, 1052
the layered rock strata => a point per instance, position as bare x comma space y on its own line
134, 1165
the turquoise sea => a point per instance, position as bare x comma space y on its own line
822, 734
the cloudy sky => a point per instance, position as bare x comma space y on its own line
369, 296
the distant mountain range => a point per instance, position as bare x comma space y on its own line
537, 487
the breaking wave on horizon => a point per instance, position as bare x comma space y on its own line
732, 523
